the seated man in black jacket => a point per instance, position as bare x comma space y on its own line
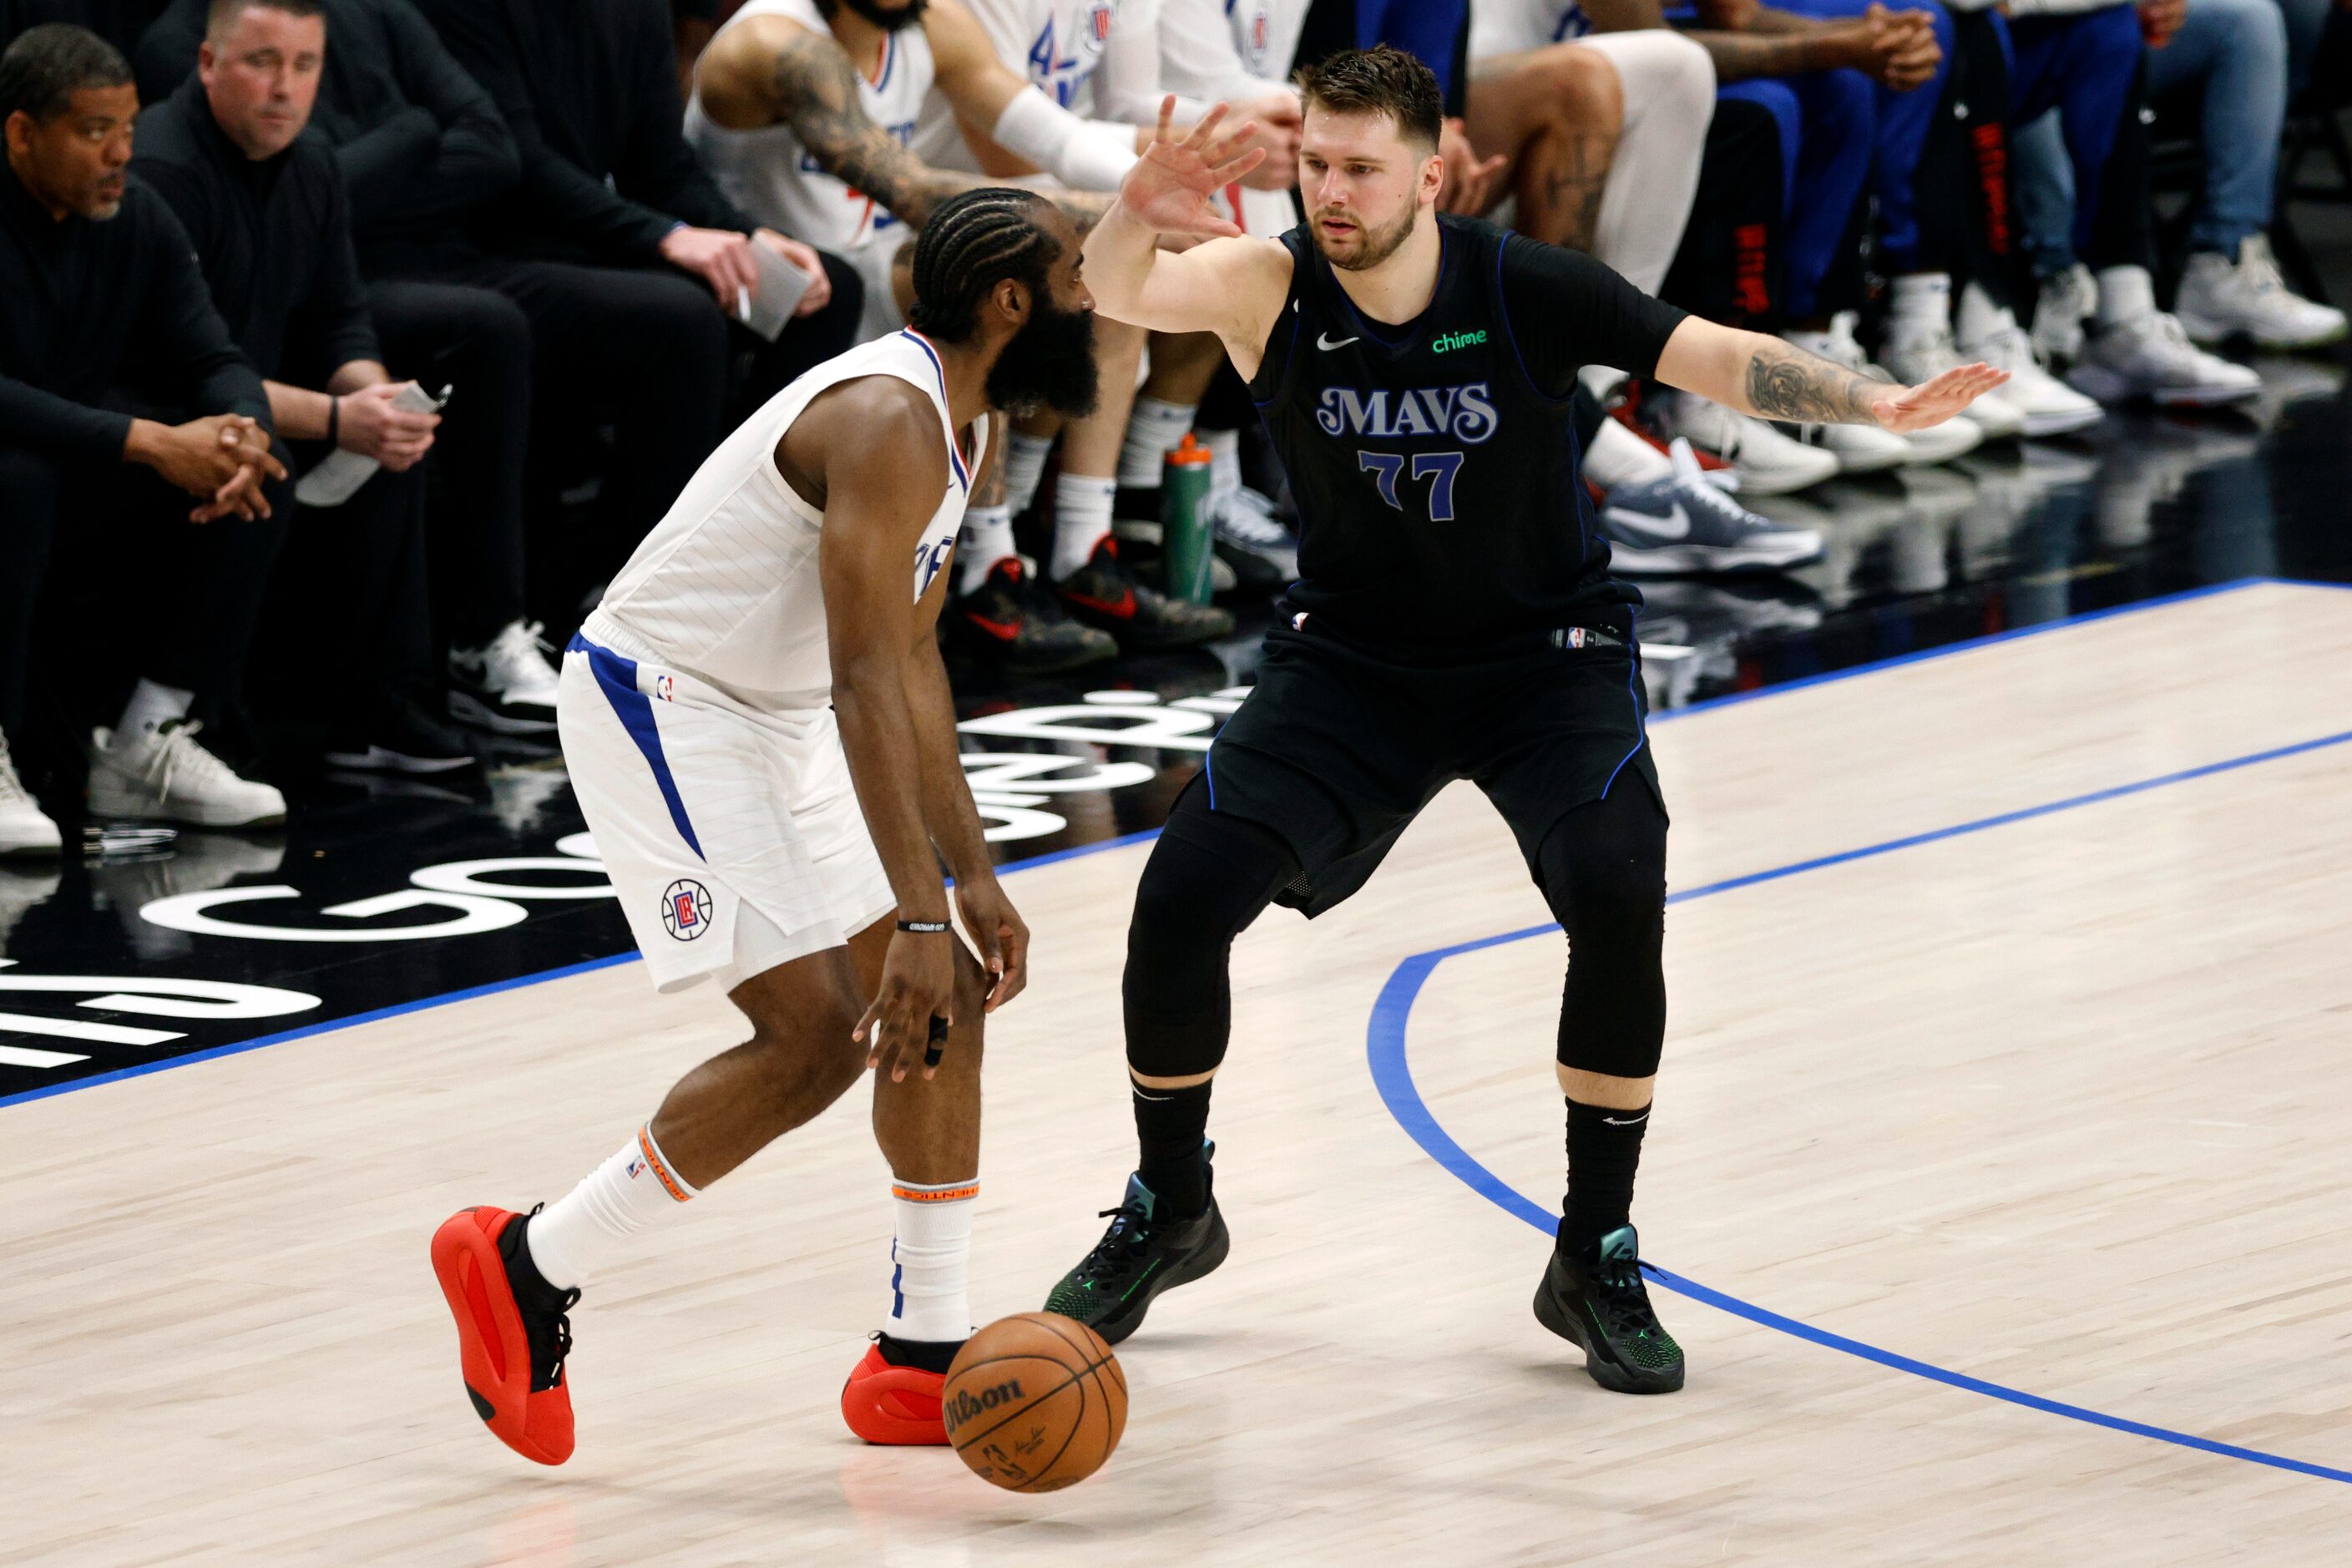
420, 147
102, 316
264, 206
617, 241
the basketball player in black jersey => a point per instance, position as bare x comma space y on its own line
1454, 618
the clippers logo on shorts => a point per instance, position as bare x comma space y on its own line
686, 910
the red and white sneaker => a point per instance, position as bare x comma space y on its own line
894, 1404
512, 1334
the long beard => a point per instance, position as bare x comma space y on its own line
882, 16
1373, 246
1047, 364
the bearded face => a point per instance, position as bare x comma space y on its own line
888, 17
1049, 363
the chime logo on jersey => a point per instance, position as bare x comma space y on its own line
686, 909
1466, 413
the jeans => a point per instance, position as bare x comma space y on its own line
2233, 55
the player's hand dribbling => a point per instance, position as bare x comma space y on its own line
1933, 402
1170, 187
918, 985
998, 932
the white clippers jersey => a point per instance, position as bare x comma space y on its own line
1513, 26
771, 176
1206, 44
725, 586
1058, 45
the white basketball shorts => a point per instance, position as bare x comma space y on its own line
731, 836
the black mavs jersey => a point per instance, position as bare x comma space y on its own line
1448, 548
1434, 463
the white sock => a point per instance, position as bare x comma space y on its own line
1618, 457
1025, 465
1152, 431
1081, 518
930, 1261
151, 707
986, 539
1924, 298
1225, 459
1979, 318
2126, 294
578, 1232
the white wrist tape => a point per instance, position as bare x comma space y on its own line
1079, 152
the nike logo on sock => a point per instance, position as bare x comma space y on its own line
1625, 1121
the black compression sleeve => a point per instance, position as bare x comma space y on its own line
1567, 310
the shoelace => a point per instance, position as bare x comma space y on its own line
1121, 1246
519, 655
11, 788
178, 756
1233, 514
1624, 1298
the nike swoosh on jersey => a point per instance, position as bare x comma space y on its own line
1676, 524
1323, 341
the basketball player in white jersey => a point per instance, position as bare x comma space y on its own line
758, 731
804, 110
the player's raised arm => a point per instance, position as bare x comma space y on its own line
1231, 286
1772, 380
878, 494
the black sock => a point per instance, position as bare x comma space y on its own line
1604, 1148
1141, 502
924, 1355
1169, 1127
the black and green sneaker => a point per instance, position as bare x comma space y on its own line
1139, 1256
1595, 1299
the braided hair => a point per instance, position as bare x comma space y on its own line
974, 240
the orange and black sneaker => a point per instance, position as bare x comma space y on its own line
512, 1333
1104, 593
1010, 619
893, 1396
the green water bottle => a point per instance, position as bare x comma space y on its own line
1186, 536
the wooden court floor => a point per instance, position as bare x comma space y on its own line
2057, 1101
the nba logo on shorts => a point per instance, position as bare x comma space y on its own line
666, 688
686, 910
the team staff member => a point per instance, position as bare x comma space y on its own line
618, 247
420, 148
264, 206
96, 286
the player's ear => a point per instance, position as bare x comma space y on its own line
1012, 297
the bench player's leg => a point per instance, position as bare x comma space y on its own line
1602, 868
1209, 877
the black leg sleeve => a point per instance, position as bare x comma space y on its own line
1604, 872
1207, 878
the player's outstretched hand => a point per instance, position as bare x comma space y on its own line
1933, 402
1170, 187
918, 985
1000, 934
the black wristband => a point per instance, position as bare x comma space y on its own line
923, 928
334, 420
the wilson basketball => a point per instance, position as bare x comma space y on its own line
1035, 1402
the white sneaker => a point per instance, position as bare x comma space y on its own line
1859, 443
507, 686
2066, 301
1916, 352
2046, 405
166, 775
2150, 356
1768, 462
2221, 299
25, 827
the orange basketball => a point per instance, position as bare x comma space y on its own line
1035, 1402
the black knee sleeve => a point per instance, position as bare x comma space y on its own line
1207, 878
1603, 871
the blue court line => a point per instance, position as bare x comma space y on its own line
1848, 673
1384, 1049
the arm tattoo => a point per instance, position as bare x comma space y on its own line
1785, 382
816, 94
1739, 57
